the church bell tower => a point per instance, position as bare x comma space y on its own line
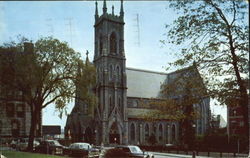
111, 86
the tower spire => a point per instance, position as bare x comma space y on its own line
104, 7
96, 10
121, 11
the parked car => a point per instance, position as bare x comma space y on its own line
22, 144
50, 147
134, 151
82, 150
13, 143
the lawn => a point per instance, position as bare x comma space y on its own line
17, 154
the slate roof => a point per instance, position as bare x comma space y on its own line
138, 112
144, 83
147, 84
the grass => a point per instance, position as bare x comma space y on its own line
17, 154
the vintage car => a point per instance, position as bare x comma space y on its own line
50, 147
128, 152
82, 150
22, 144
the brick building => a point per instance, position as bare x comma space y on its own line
15, 116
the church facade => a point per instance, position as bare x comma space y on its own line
122, 93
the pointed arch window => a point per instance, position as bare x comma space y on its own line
110, 72
113, 43
111, 103
160, 133
100, 44
146, 132
173, 133
132, 132
118, 73
120, 103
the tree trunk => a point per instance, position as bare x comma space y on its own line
32, 130
242, 88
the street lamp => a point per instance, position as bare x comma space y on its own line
194, 154
168, 129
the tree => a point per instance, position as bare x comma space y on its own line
45, 74
215, 34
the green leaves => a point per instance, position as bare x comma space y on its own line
215, 35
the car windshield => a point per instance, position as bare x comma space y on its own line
135, 149
54, 142
84, 146
80, 146
24, 140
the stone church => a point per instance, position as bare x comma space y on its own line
122, 93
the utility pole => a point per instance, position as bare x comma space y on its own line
70, 28
137, 30
50, 26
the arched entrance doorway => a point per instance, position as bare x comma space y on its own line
114, 137
88, 135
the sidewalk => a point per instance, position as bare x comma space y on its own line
177, 155
190, 156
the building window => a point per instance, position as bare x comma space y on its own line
160, 132
85, 108
15, 128
132, 132
120, 103
146, 132
173, 133
135, 103
118, 73
113, 45
100, 45
20, 110
110, 72
10, 109
154, 129
241, 123
110, 104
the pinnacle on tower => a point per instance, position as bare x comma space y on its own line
96, 10
121, 11
104, 7
87, 58
112, 9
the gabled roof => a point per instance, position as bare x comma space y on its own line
148, 84
144, 83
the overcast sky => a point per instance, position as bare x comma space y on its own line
73, 22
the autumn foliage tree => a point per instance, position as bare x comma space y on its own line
215, 34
